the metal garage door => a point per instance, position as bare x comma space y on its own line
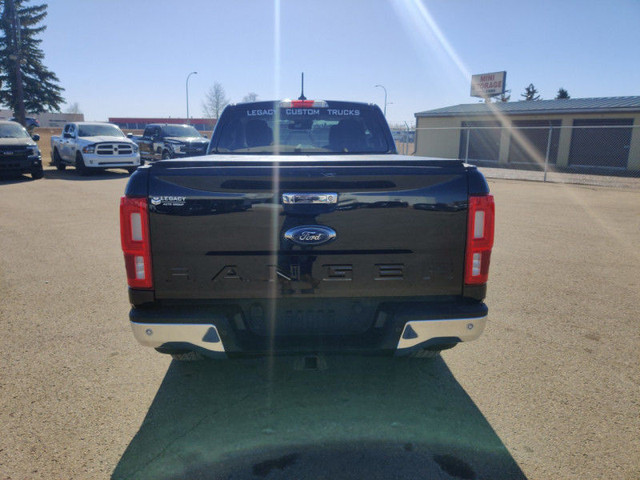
601, 143
483, 141
529, 139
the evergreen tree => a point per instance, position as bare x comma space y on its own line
503, 97
562, 93
26, 83
530, 93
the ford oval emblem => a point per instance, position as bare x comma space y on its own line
310, 234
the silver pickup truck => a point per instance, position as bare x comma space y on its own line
89, 146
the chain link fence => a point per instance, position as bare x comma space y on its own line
590, 152
405, 139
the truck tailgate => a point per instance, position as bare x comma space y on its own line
218, 228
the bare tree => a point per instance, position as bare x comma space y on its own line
250, 97
73, 108
215, 100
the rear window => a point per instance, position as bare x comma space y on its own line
266, 128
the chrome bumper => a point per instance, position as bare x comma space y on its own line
202, 336
418, 333
111, 161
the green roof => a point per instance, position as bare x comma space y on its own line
540, 107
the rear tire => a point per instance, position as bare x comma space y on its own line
425, 354
166, 155
431, 352
57, 161
80, 165
187, 357
181, 355
37, 173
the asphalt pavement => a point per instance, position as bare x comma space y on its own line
551, 389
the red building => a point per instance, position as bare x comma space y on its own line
202, 124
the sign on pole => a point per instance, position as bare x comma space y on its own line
486, 85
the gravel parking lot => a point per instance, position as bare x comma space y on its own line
551, 390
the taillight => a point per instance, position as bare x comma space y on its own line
480, 227
303, 104
134, 233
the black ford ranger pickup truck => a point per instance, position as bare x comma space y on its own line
302, 231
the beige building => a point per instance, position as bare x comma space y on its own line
581, 133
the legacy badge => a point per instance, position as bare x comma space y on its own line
168, 201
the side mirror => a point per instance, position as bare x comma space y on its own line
205, 136
129, 135
35, 137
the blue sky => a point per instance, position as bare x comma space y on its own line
120, 58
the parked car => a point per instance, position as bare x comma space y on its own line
164, 141
90, 146
247, 251
30, 123
18, 151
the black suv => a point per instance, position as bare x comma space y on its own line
18, 151
163, 141
30, 122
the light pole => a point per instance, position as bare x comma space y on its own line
192, 73
385, 98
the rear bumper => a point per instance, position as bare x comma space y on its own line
201, 337
205, 338
397, 328
418, 334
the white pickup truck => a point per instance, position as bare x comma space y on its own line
91, 145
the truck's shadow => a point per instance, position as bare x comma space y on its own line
11, 179
361, 418
71, 174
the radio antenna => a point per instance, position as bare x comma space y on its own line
302, 97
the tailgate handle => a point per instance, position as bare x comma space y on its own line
309, 198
